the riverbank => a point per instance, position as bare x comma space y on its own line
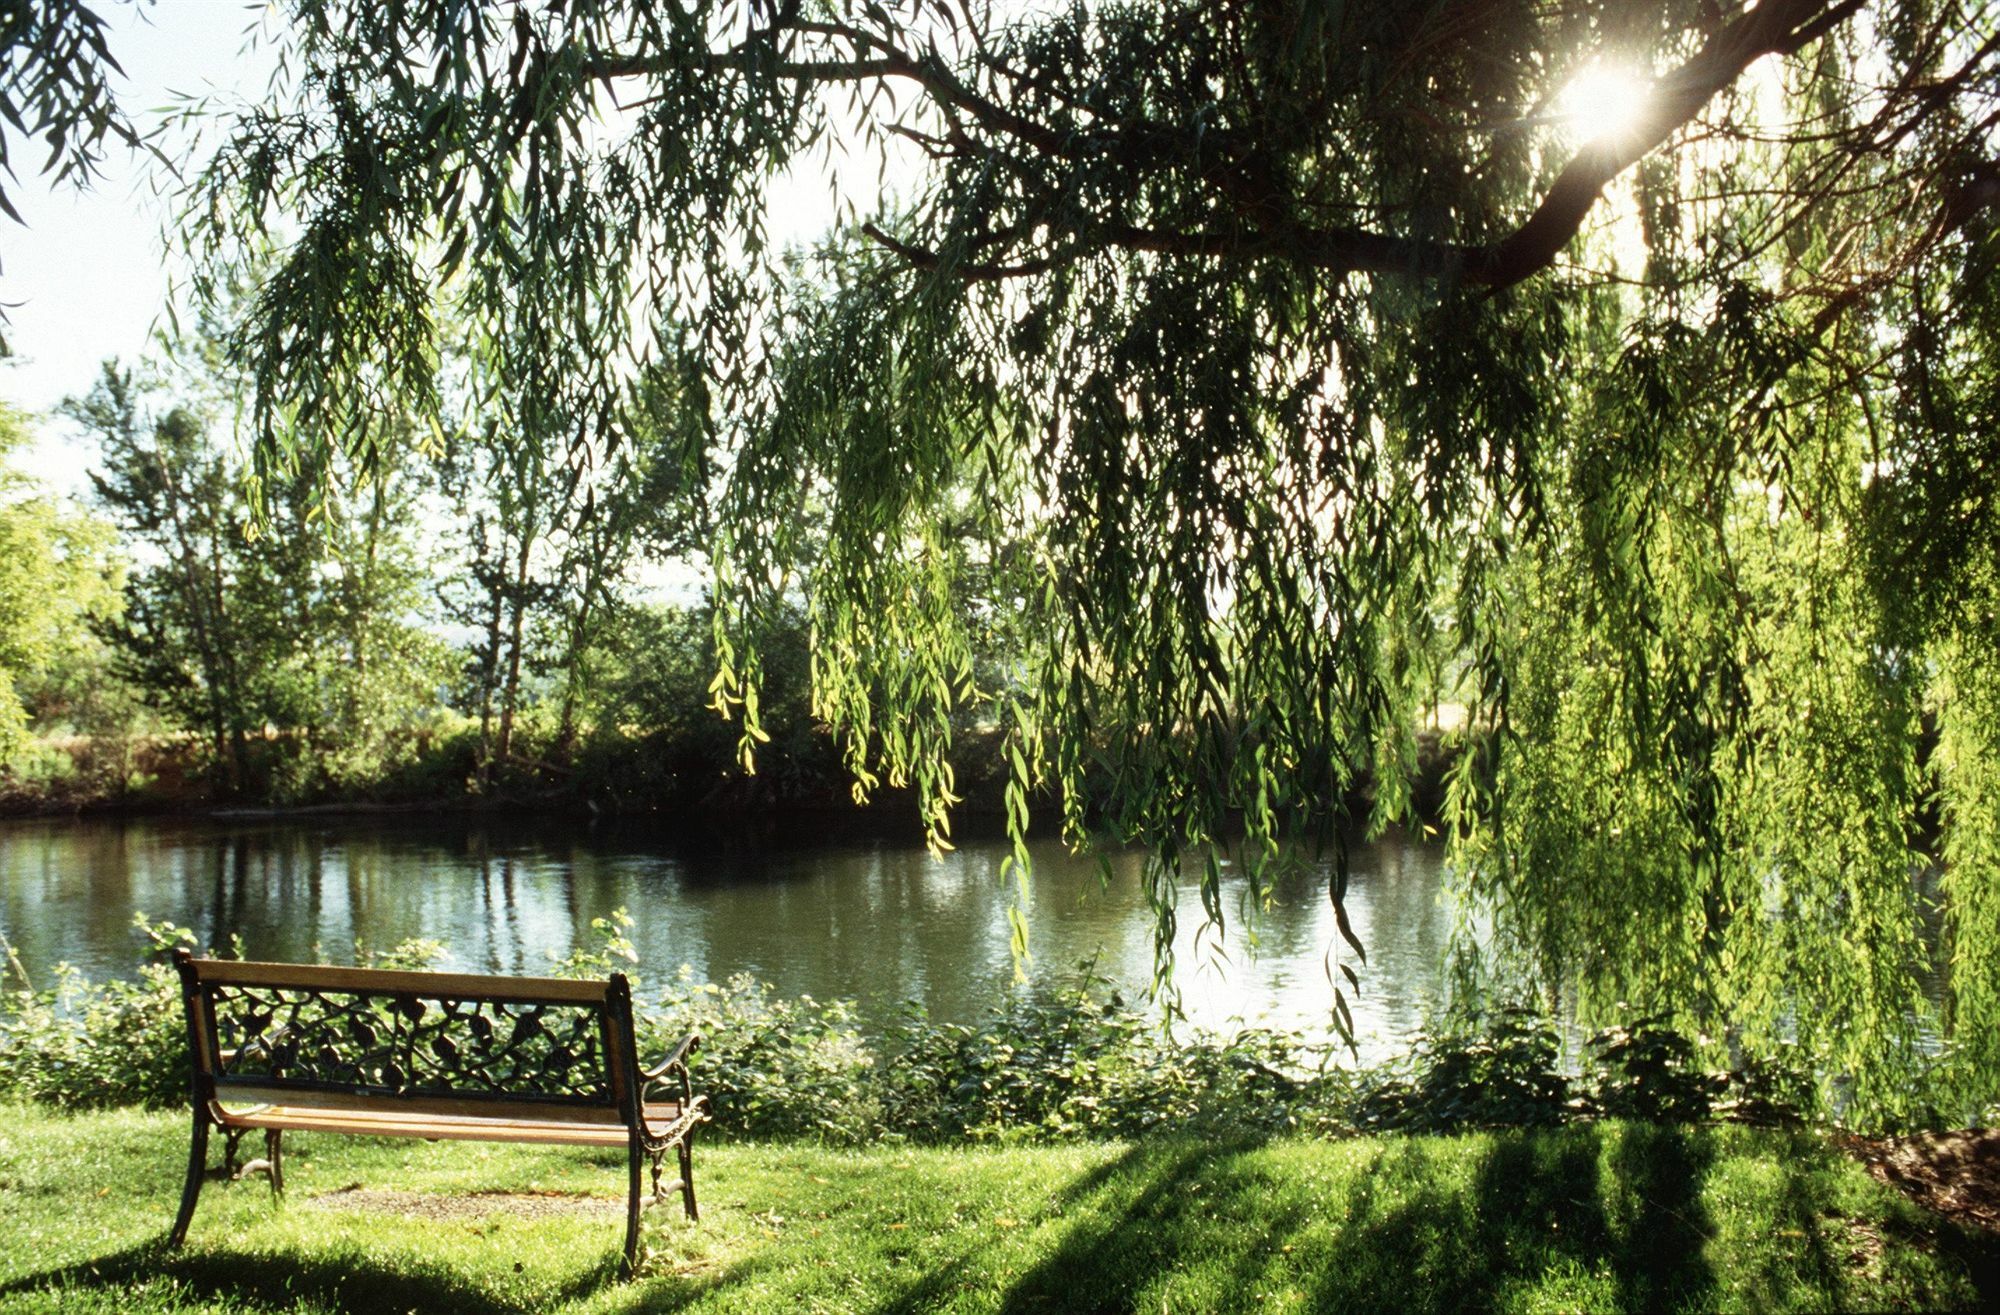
641, 775
652, 778
1606, 1216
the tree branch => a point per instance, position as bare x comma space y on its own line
1773, 27
971, 271
1779, 27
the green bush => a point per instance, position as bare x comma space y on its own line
1502, 1071
1073, 1061
1646, 1070
771, 1067
86, 1045
1054, 1063
1769, 1091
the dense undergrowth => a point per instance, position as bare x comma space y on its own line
615, 768
1065, 1063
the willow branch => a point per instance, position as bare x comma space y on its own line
1773, 27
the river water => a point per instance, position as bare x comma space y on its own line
877, 923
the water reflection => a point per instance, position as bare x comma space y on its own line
875, 923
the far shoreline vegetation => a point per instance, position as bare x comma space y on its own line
203, 644
609, 775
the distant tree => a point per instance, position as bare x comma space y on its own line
296, 613
343, 585
59, 577
652, 717
167, 489
640, 504
548, 540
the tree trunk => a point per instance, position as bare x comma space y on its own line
518, 604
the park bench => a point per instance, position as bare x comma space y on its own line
282, 1047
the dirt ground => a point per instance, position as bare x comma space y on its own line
469, 1205
1957, 1174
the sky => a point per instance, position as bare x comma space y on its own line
86, 278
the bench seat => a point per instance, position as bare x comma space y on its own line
661, 1119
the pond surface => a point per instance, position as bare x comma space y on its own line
875, 923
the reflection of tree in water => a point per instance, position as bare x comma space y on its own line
878, 924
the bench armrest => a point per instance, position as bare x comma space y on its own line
677, 1060
675, 1064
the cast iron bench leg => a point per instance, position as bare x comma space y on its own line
635, 1153
687, 1176
197, 1170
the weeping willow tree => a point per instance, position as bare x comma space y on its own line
1286, 370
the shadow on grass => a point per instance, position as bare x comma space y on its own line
1977, 1253
345, 1277
1658, 1257
1138, 1216
341, 1281
658, 1294
1432, 1224
1827, 1245
349, 1281
1580, 1217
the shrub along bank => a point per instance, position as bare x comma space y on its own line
1054, 1065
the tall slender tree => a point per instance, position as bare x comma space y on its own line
165, 487
289, 612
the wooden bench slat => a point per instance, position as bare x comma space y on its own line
293, 1118
240, 1091
369, 981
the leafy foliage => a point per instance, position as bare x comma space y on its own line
774, 1067
83, 1044
1061, 1064
1505, 1074
56, 72
59, 578
247, 626
1649, 1072
548, 549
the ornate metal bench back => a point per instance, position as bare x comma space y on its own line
281, 1028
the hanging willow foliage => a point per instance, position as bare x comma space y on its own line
1278, 371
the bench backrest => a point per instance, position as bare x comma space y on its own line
439, 1043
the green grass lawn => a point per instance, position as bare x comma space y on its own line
1587, 1218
